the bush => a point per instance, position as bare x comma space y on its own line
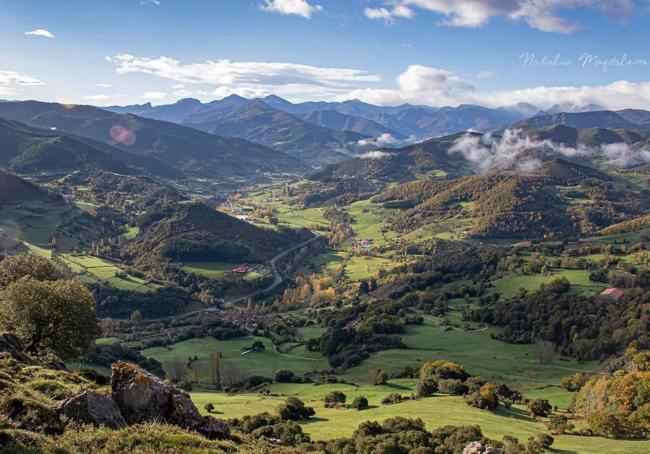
574, 382
426, 388
359, 403
452, 386
334, 398
285, 376
294, 409
559, 424
485, 398
393, 398
209, 407
539, 407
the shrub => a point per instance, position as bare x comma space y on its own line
539, 407
359, 403
452, 386
393, 398
285, 376
485, 398
334, 398
209, 407
294, 408
559, 424
426, 388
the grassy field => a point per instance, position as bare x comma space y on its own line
265, 363
367, 221
212, 270
363, 267
509, 286
481, 355
434, 411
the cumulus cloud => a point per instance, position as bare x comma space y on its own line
294, 81
12, 81
516, 150
295, 7
40, 32
545, 15
437, 87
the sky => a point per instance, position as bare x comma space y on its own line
388, 52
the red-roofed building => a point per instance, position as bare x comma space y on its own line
613, 294
242, 269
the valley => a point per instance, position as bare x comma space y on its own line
250, 288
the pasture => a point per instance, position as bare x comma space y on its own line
436, 411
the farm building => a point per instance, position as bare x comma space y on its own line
614, 294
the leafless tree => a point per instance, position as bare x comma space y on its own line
545, 351
231, 374
177, 369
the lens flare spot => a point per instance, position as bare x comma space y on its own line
120, 134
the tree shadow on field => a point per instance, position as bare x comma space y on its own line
512, 412
396, 386
313, 420
562, 451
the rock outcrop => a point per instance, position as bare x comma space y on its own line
90, 407
143, 397
11, 344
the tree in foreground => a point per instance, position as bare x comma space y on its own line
55, 316
18, 266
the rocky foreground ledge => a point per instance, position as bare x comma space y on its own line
139, 397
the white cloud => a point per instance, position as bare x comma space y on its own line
226, 77
296, 7
40, 32
437, 87
389, 15
543, 15
104, 85
103, 96
376, 155
154, 95
516, 150
11, 81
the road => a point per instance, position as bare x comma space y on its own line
277, 280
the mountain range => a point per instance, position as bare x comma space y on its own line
177, 149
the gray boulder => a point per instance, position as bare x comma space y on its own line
90, 407
143, 397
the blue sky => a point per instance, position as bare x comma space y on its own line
436, 52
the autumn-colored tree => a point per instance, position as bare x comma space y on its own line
617, 405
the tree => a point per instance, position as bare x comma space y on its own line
334, 398
545, 351
294, 409
209, 407
539, 407
56, 316
379, 377
360, 403
258, 346
18, 266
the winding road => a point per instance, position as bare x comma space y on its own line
277, 280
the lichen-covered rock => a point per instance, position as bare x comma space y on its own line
143, 397
90, 407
